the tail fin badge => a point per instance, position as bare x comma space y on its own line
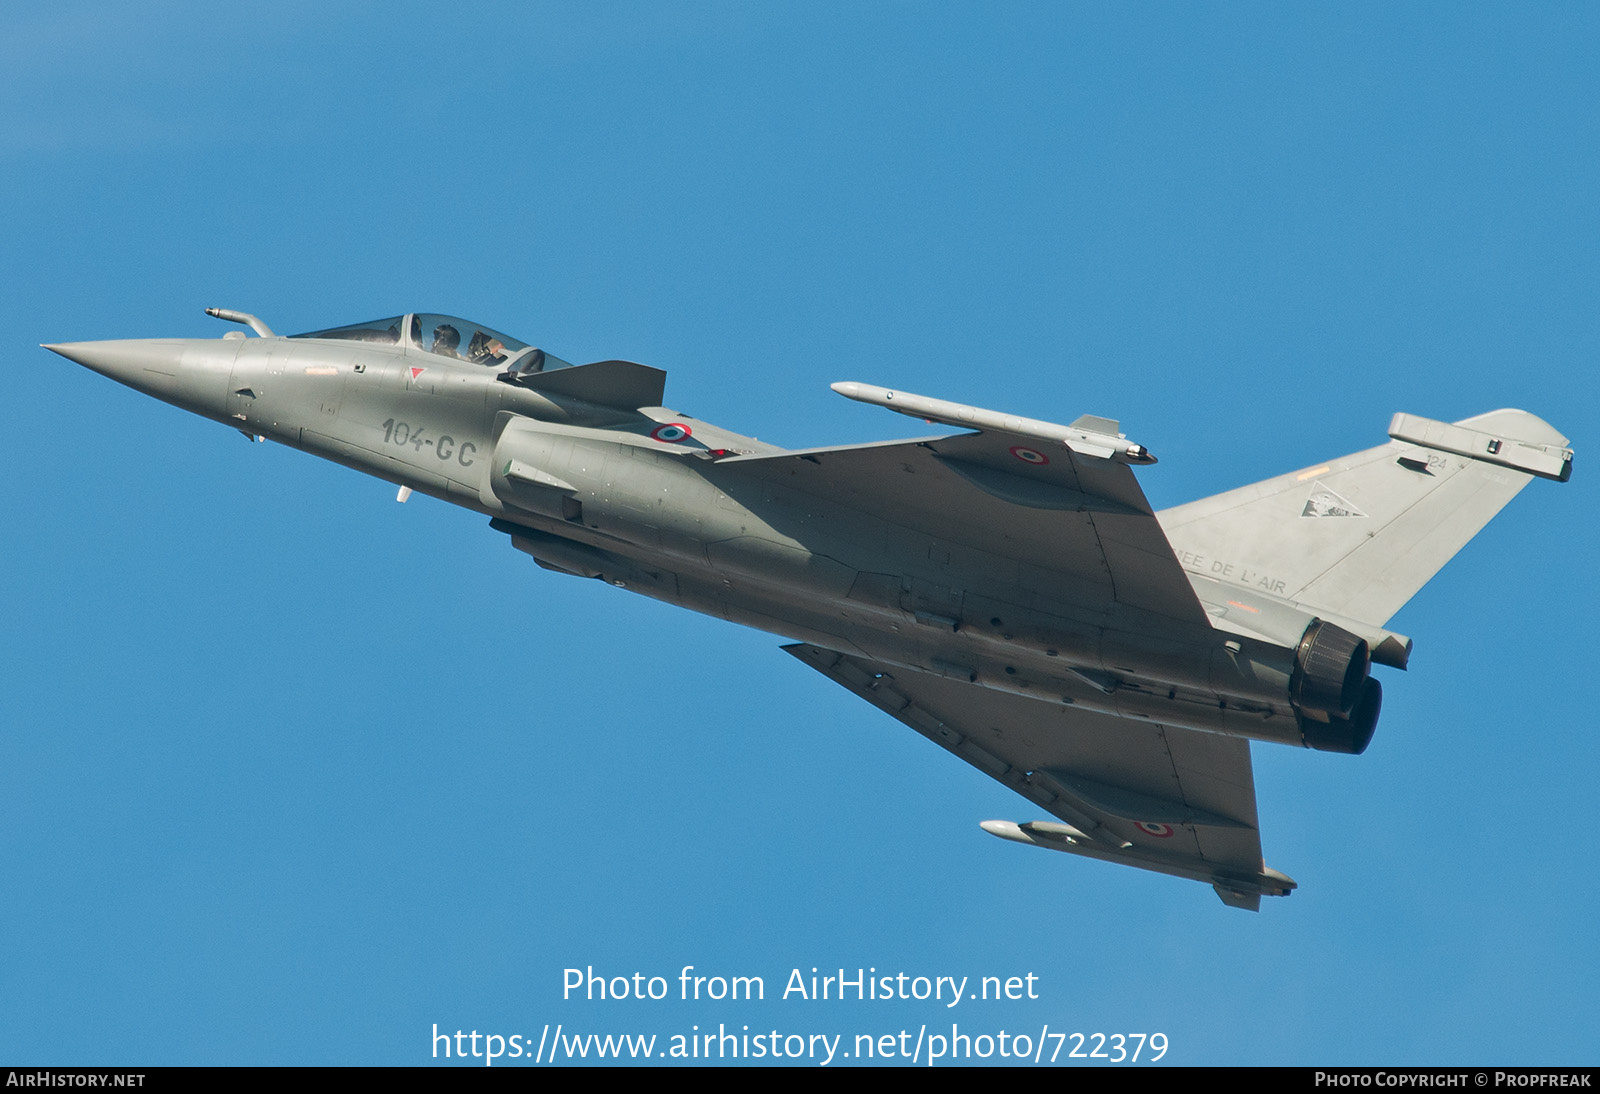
1325, 503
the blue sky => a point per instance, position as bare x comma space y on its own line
290, 773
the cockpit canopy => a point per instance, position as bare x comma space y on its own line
447, 336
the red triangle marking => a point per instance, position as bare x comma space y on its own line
415, 372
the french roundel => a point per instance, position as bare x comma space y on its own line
672, 433
1028, 455
1160, 831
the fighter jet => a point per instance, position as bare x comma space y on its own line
1006, 591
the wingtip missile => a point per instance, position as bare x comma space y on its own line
1083, 441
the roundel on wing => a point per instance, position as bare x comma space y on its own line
1150, 828
1029, 455
672, 433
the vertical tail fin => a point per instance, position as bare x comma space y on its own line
1358, 536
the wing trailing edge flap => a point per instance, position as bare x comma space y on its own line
1159, 798
1131, 805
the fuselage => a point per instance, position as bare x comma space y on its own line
659, 503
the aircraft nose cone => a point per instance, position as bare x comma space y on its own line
187, 372
148, 364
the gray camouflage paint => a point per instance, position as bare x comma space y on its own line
1020, 563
